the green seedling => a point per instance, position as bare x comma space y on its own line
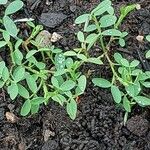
127, 81
38, 80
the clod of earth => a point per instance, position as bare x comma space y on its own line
138, 125
52, 20
50, 145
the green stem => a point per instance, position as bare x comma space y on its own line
105, 50
11, 51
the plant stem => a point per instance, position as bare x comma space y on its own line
11, 51
105, 50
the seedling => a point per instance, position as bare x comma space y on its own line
127, 81
37, 79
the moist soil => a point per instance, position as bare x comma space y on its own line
99, 123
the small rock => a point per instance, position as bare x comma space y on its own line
52, 20
140, 38
137, 125
11, 107
1, 114
138, 6
22, 146
55, 37
11, 117
47, 134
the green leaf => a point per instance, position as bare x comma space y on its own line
110, 10
80, 36
59, 98
31, 24
101, 8
148, 54
125, 10
125, 62
91, 38
13, 7
101, 82
31, 53
142, 100
72, 109
81, 19
6, 36
59, 61
31, 83
5, 74
10, 26
95, 61
18, 44
118, 57
19, 73
111, 32
59, 72
2, 44
2, 66
13, 90
23, 91
126, 104
37, 100
32, 60
40, 65
90, 28
2, 2
18, 57
67, 85
26, 108
55, 82
116, 94
34, 109
148, 38
134, 63
69, 62
146, 84
56, 50
124, 34
82, 83
70, 53
122, 42
133, 89
82, 57
107, 20
136, 72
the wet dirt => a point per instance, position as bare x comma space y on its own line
99, 123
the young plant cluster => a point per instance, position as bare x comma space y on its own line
128, 81
39, 72
37, 79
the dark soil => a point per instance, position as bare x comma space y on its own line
99, 123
